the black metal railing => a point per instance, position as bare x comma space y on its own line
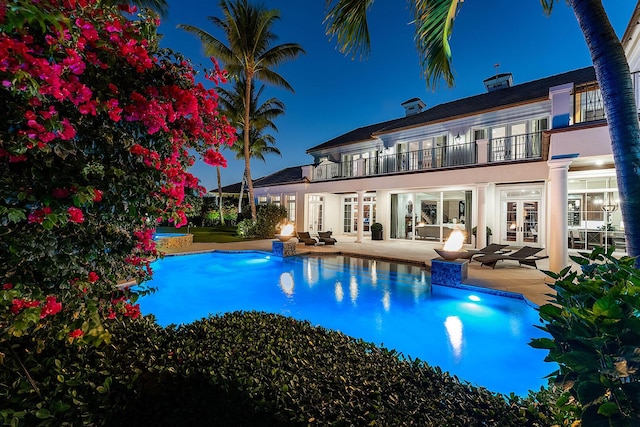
512, 148
517, 147
438, 157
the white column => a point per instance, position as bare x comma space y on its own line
483, 151
360, 216
558, 218
481, 227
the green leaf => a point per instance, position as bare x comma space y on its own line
608, 409
543, 343
43, 413
589, 391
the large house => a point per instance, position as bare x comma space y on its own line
525, 164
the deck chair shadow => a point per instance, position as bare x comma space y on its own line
325, 237
490, 249
525, 256
305, 237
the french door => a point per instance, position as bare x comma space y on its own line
520, 223
316, 213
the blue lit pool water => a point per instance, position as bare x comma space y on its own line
479, 337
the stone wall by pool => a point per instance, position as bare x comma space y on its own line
166, 241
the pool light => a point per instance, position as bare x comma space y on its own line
474, 298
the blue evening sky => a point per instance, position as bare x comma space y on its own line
335, 94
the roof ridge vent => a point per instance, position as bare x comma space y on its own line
413, 106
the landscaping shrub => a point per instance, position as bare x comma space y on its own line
260, 369
264, 227
594, 321
246, 369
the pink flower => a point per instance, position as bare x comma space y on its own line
75, 215
60, 193
51, 307
76, 333
93, 277
7, 286
97, 195
132, 311
39, 215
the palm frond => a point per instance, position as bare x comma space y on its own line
547, 6
270, 76
279, 54
434, 23
347, 21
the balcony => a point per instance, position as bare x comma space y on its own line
518, 147
513, 148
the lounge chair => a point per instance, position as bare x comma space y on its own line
491, 249
325, 237
525, 256
305, 237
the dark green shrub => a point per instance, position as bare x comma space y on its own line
594, 319
244, 369
264, 227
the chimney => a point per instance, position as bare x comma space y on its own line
413, 106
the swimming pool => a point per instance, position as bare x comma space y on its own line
478, 336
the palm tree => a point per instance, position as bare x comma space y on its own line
261, 118
347, 20
249, 54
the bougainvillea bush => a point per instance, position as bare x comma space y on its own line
97, 129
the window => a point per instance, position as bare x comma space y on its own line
587, 103
275, 200
291, 208
479, 134
262, 200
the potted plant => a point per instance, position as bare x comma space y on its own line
474, 231
376, 231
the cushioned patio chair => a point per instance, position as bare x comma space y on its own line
305, 237
491, 249
325, 237
525, 256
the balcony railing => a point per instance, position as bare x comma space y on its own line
518, 147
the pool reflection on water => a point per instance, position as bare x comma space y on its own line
478, 336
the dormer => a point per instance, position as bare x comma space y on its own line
413, 106
499, 81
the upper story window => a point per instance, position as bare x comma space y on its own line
587, 103
479, 134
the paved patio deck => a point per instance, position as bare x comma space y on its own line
507, 276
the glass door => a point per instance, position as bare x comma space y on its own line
520, 223
316, 213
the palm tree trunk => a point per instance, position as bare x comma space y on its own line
247, 153
220, 195
241, 194
612, 72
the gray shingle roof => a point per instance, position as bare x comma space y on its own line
290, 175
517, 94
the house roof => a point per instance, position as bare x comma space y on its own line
290, 175
514, 95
